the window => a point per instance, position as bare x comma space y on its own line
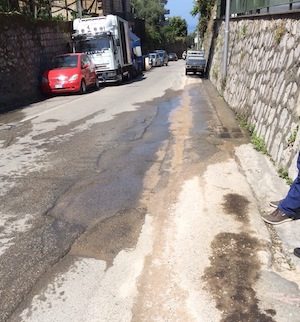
66, 61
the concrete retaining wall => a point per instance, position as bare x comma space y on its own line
263, 81
26, 46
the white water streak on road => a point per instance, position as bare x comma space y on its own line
89, 292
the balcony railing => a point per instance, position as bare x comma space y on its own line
244, 7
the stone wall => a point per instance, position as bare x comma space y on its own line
263, 80
26, 47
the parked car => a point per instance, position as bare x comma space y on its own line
195, 53
156, 60
69, 73
172, 57
195, 63
164, 56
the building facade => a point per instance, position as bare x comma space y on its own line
68, 9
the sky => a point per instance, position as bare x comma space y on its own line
183, 8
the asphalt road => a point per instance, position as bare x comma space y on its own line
130, 204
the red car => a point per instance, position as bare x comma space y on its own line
70, 73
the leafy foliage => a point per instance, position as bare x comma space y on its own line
176, 29
152, 11
177, 26
35, 8
9, 5
159, 30
203, 9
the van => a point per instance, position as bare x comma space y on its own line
163, 54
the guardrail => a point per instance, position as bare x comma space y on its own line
245, 7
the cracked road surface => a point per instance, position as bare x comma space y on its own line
132, 204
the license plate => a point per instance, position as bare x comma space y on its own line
59, 86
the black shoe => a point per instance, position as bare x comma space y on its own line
297, 252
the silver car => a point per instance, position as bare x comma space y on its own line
156, 60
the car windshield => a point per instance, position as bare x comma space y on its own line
161, 55
67, 61
93, 45
152, 55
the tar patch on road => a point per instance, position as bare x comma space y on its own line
236, 205
105, 240
232, 276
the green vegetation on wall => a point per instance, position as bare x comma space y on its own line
39, 9
203, 8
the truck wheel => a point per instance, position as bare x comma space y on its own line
83, 87
120, 79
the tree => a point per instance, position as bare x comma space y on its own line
177, 26
203, 9
9, 5
153, 12
34, 8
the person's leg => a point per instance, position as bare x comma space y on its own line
290, 205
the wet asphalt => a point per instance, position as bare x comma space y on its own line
82, 195
94, 175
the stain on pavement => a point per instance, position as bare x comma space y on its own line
232, 275
236, 205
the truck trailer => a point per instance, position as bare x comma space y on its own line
107, 41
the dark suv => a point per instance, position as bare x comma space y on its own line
163, 54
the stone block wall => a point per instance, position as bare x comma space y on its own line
263, 80
26, 48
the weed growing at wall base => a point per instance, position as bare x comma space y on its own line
259, 144
292, 138
283, 173
242, 120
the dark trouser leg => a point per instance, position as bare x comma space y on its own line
291, 204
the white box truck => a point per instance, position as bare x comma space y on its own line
107, 41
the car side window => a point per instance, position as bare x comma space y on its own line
81, 62
89, 61
84, 61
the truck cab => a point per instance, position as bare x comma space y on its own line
106, 40
103, 51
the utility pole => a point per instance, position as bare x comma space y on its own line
226, 40
79, 8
